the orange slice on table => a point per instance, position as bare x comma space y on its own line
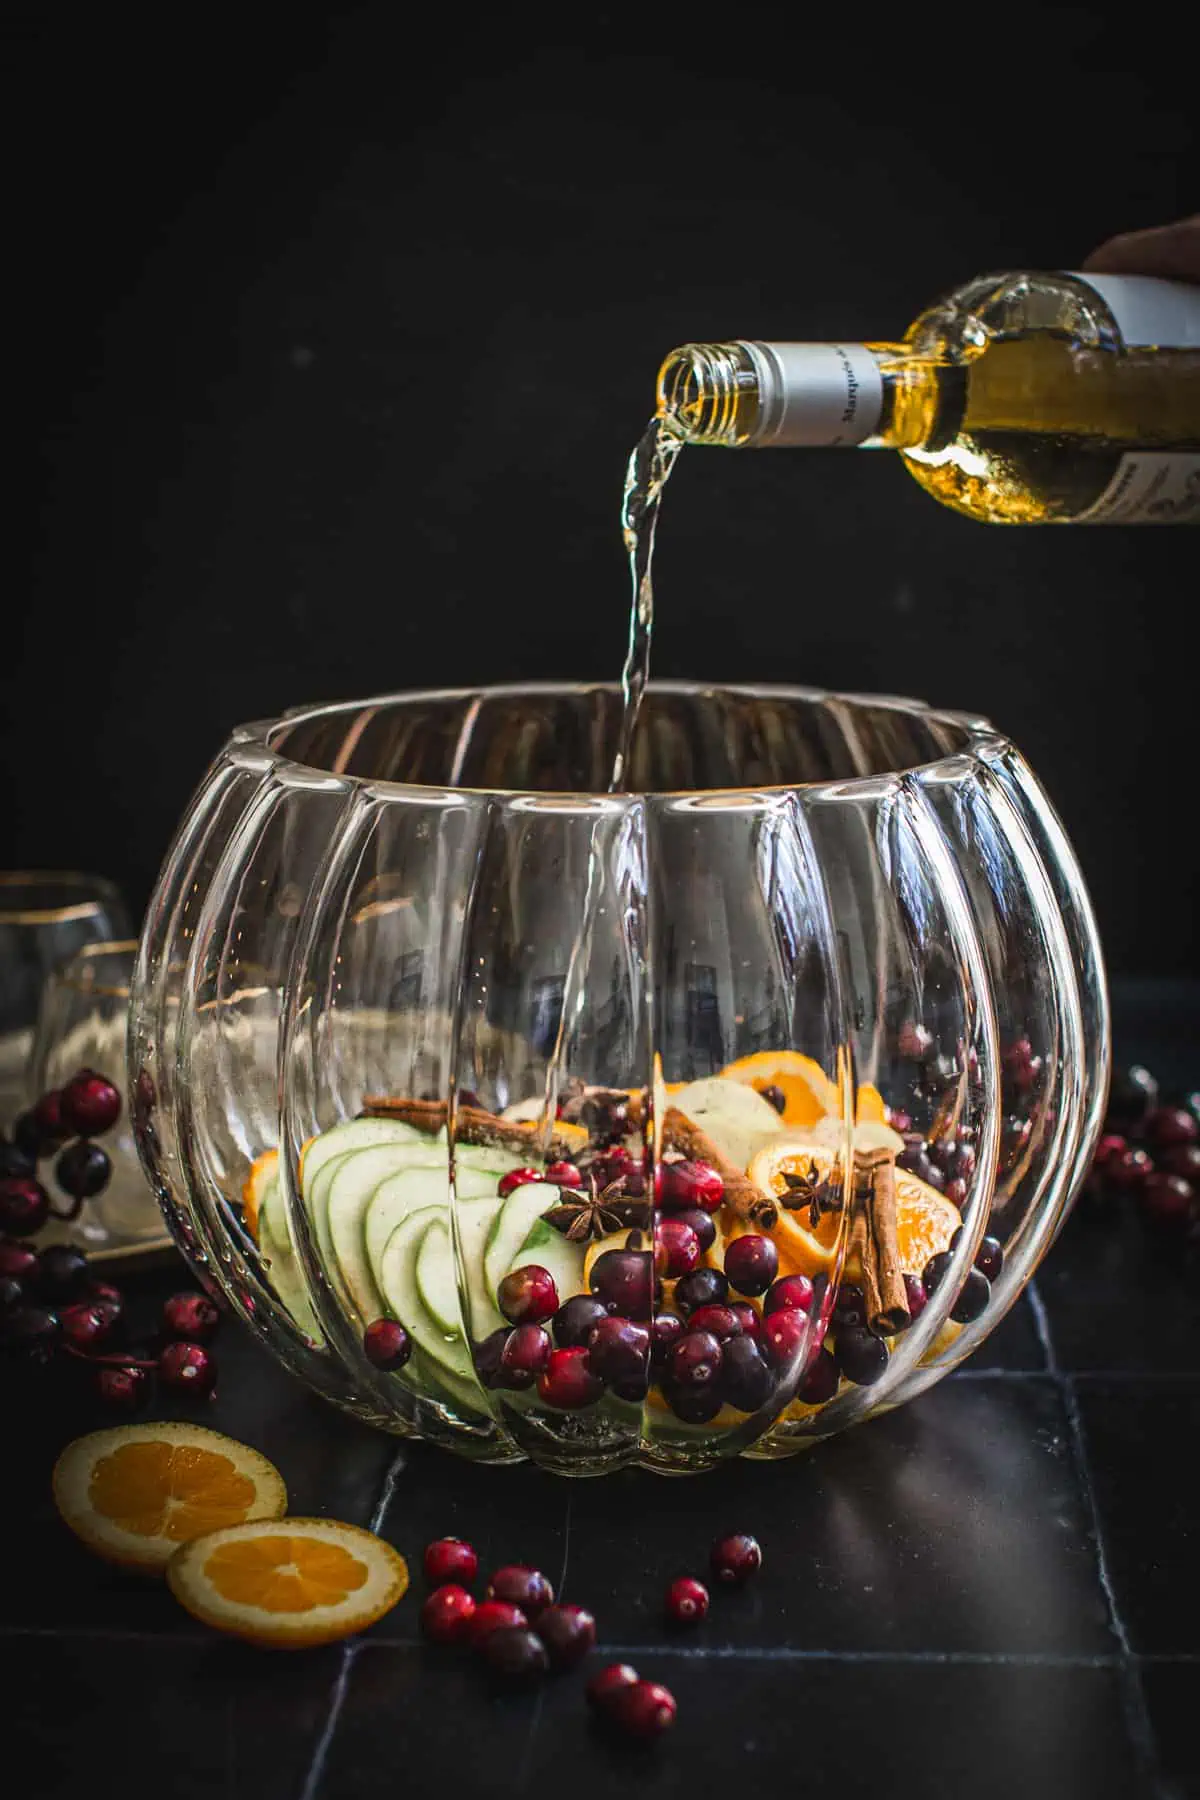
136, 1493
262, 1174
289, 1582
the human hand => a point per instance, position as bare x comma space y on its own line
1170, 251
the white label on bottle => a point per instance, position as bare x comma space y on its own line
1150, 311
815, 394
1150, 487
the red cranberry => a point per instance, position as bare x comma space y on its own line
751, 1263
687, 1184
623, 1280
748, 1317
1130, 1097
645, 1710
525, 1355
88, 1324
31, 1331
1167, 1199
19, 1261
527, 1296
676, 1248
666, 1329
450, 1560
791, 1293
821, 1381
616, 1167
989, 1257
514, 1653
62, 1272
695, 1406
104, 1290
386, 1344
575, 1318
972, 1299
956, 1192
89, 1105
935, 1271
785, 1334
1170, 1125
517, 1178
861, 1357
567, 1380
695, 1362
1110, 1145
568, 1633
702, 1223
849, 1306
494, 1615
604, 1686
122, 1388
187, 1369
899, 1120
1182, 1159
82, 1170
734, 1559
1129, 1170
564, 1175
686, 1601
722, 1321
519, 1585
447, 1613
15, 1162
916, 1296
619, 1351
774, 1096
191, 1316
746, 1381
489, 1355
703, 1287
24, 1205
48, 1119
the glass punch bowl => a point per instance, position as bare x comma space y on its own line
700, 1120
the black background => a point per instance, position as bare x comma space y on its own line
332, 329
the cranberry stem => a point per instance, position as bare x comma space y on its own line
70, 1215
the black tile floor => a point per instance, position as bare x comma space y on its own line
992, 1591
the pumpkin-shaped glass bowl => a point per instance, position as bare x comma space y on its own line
429, 1031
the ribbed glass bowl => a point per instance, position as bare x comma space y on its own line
421, 924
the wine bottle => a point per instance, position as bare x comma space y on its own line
1020, 399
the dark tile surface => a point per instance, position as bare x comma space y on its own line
1170, 1690
1118, 1297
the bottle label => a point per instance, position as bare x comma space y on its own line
1150, 487
815, 394
1149, 311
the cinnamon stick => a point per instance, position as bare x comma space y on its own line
874, 1242
473, 1125
741, 1195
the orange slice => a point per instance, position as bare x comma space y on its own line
808, 1092
291, 1582
262, 1173
136, 1493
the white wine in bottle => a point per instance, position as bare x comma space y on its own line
1021, 399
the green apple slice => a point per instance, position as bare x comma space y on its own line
283, 1266
359, 1134
512, 1226
738, 1120
402, 1292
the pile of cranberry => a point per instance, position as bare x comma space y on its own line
1150, 1155
520, 1632
64, 1124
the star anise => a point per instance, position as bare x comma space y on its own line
596, 1214
809, 1189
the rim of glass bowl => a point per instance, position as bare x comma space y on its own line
974, 729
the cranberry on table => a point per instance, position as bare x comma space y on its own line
751, 1263
122, 1388
187, 1369
89, 1105
104, 1290
624, 1281
861, 1357
82, 1170
609, 1682
48, 1119
15, 1161
191, 1316
20, 1261
31, 1331
686, 1601
748, 1317
575, 1318
519, 1585
24, 1205
1167, 1199
526, 1353
703, 1287
568, 1633
494, 1615
687, 1184
62, 1272
666, 1329
645, 1710
564, 1174
1168, 1125
567, 1382
789, 1293
528, 1295
735, 1558
1133, 1092
12, 1294
722, 1321
785, 1335
746, 1380
516, 1178
386, 1344
676, 1248
514, 1653
619, 1350
88, 1324
450, 1560
820, 1381
1182, 1159
447, 1613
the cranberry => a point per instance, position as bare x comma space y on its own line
24, 1205
568, 1633
447, 1613
695, 1406
686, 1184
564, 1175
89, 1105
1110, 1145
28, 1139
517, 1178
1170, 1125
617, 1168
104, 1290
62, 1272
450, 1559
488, 1357
784, 1334
915, 1158
191, 1316
702, 1223
1182, 1159
605, 1117
12, 1294
48, 1119
821, 1381
519, 1585
695, 1362
187, 1369
686, 1601
751, 1263
1128, 1170
604, 1686
935, 1271
676, 1248
791, 1293
748, 1318
722, 1321
31, 1331
1015, 1133
15, 1162
645, 1710
1132, 1094
1167, 1199
88, 1324
575, 1318
527, 1296
849, 1306
972, 1299
386, 1344
526, 1354
666, 1329
774, 1096
989, 1257
734, 1559
514, 1653
703, 1287
915, 1295
746, 1381
861, 1357
82, 1170
914, 1041
494, 1615
619, 1351
122, 1388
567, 1381
899, 1120
623, 1280
19, 1261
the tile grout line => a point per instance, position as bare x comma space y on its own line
337, 1698
1137, 1714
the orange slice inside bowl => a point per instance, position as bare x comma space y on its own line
262, 1173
